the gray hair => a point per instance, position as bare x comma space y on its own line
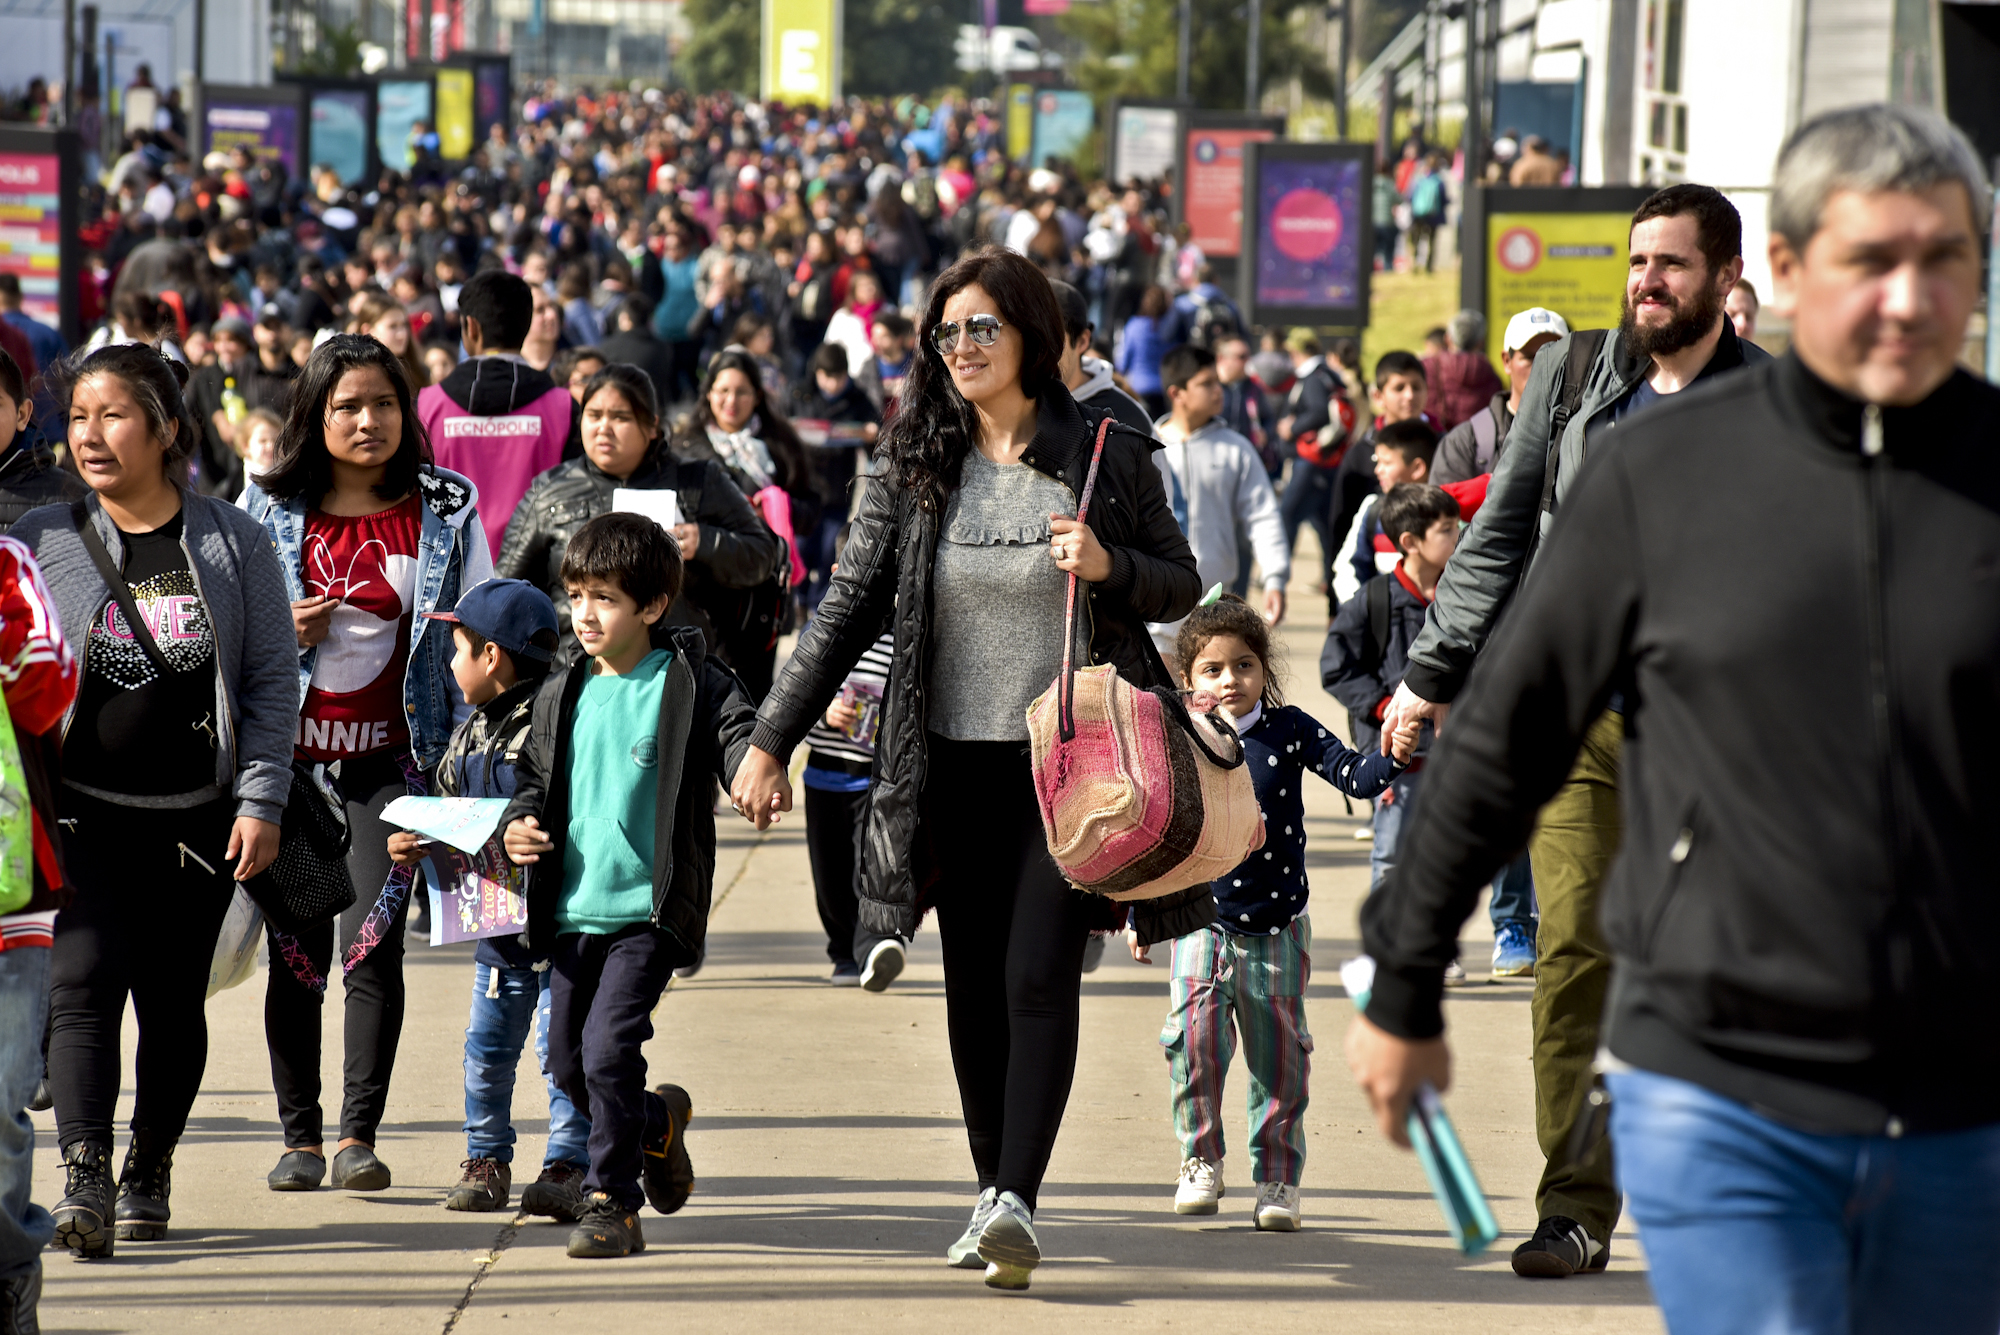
1867, 149
1468, 330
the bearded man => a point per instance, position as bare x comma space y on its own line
1686, 254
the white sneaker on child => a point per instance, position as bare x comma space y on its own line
1199, 1188
1277, 1207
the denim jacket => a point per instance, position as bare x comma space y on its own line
452, 556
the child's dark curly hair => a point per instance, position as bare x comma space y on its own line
1228, 615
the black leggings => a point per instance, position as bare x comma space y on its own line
1013, 933
142, 922
374, 1006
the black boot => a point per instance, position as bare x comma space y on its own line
19, 1296
142, 1213
83, 1218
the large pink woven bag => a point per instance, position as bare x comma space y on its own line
1139, 797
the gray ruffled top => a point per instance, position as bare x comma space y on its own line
997, 601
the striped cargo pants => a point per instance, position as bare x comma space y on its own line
1260, 982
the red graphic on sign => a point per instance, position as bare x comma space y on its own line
1520, 249
1305, 225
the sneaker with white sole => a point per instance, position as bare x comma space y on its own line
1277, 1207
1514, 951
964, 1254
1560, 1247
1199, 1187
885, 964
1454, 974
1008, 1243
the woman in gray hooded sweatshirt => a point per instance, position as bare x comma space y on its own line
176, 763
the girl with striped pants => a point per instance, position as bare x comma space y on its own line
1250, 968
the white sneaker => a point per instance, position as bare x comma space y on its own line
1008, 1243
1454, 974
885, 963
1365, 835
1200, 1187
964, 1254
1277, 1207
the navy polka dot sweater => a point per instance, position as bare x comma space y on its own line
1261, 897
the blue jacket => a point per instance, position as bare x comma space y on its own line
1261, 897
1140, 352
679, 304
452, 556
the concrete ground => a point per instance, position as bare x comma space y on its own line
833, 1168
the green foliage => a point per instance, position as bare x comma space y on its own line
337, 53
725, 48
899, 46
890, 47
1132, 49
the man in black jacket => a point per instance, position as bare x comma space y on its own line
1803, 1036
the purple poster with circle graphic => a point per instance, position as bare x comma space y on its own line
1309, 232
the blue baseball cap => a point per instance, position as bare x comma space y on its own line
507, 612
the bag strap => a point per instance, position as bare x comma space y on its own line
1378, 594
1583, 350
1485, 435
121, 592
1066, 684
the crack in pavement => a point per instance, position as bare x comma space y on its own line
501, 1242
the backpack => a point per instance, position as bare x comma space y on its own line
1427, 198
1214, 321
1374, 645
1485, 440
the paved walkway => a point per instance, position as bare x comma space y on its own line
833, 1168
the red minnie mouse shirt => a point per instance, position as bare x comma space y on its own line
354, 706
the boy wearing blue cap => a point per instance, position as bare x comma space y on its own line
506, 634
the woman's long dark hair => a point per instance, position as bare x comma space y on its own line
934, 427
788, 452
304, 468
155, 380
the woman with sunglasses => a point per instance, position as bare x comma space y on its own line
738, 428
964, 547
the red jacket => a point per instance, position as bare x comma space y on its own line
38, 675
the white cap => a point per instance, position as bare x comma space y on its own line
1531, 324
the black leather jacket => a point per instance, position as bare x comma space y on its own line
737, 550
30, 478
885, 578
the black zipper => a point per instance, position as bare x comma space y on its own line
1876, 482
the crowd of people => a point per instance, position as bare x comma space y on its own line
506, 482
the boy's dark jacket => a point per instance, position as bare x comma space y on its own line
493, 735
705, 723
1361, 680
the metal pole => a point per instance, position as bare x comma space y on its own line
1346, 54
1474, 139
1385, 126
1251, 67
69, 63
1187, 37
200, 40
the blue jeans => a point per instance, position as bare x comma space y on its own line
1392, 810
1514, 896
502, 1014
1752, 1226
1308, 499
25, 1228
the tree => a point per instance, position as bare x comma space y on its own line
890, 46
724, 50
1133, 49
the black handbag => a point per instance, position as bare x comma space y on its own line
308, 882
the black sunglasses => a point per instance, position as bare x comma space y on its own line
984, 330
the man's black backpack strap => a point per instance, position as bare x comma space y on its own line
1583, 350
